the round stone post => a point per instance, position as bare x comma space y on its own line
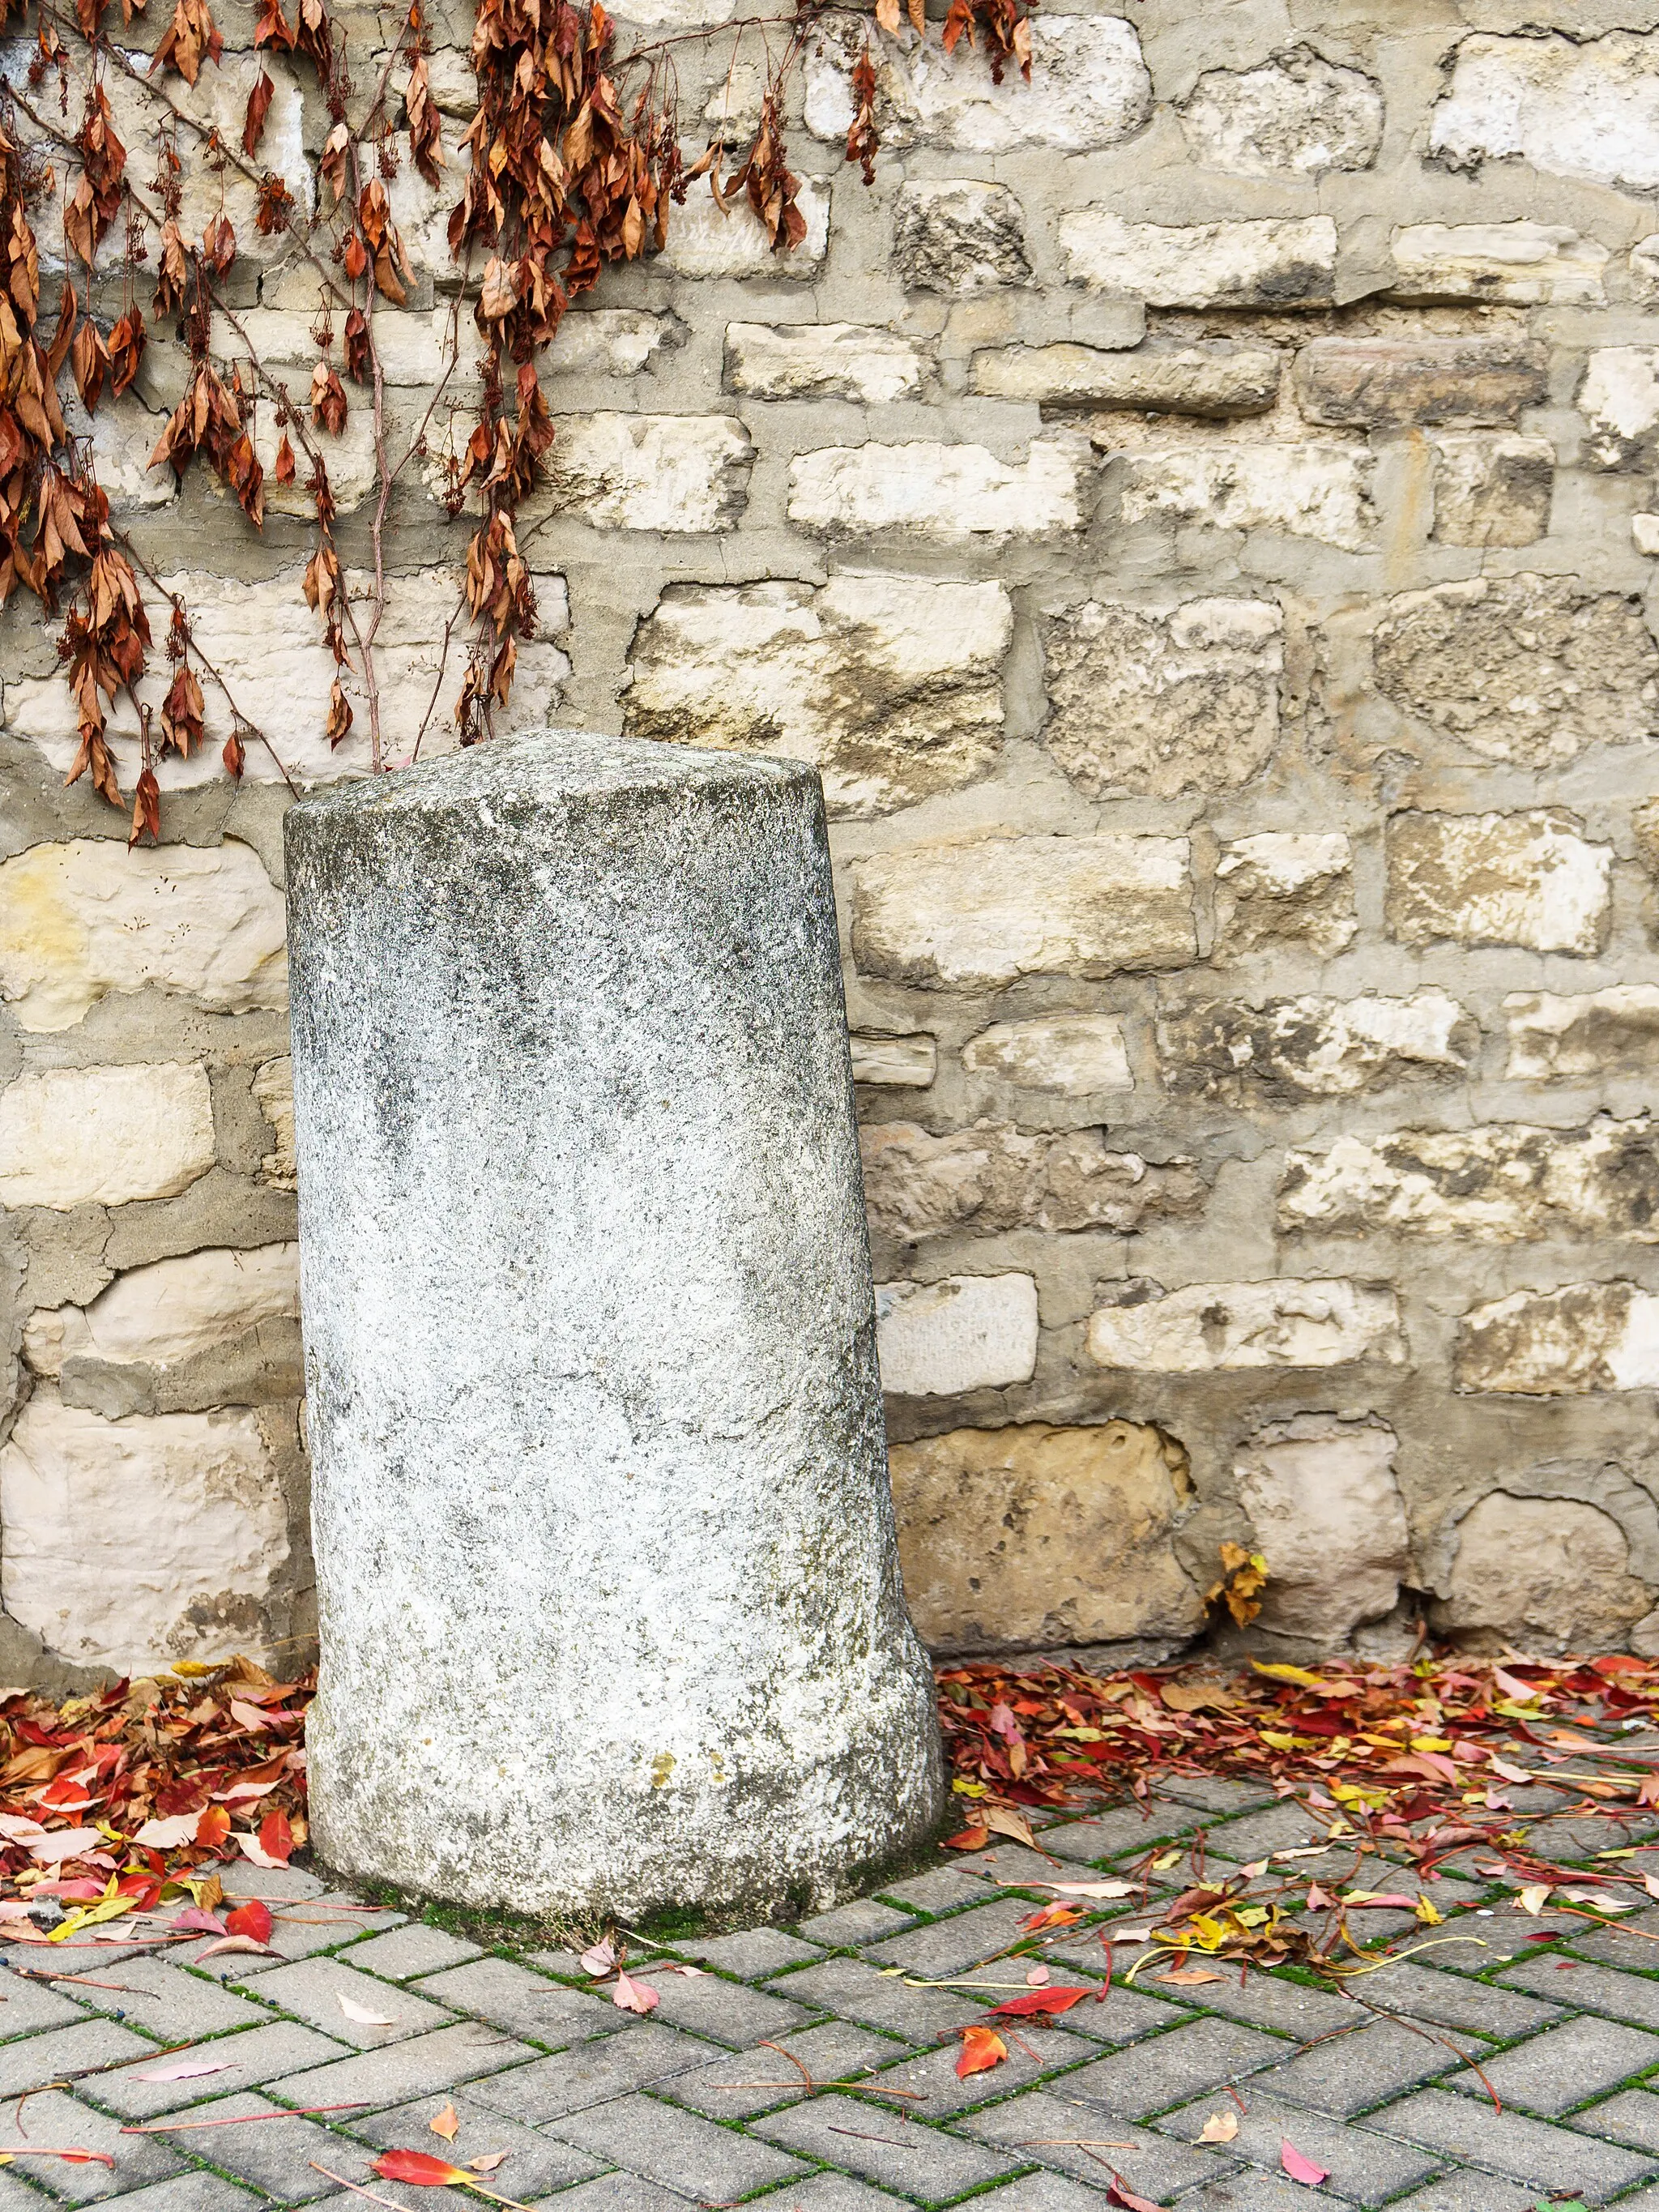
610, 1610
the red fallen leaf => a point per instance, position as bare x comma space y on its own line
1052, 1916
1121, 2193
74, 2155
1037, 2000
1301, 2169
982, 2048
194, 1921
252, 1919
967, 1839
275, 1837
428, 2173
632, 1995
213, 1826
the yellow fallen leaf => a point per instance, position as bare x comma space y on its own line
1220, 2127
1431, 1743
1165, 1860
1533, 1898
1427, 1914
1282, 1673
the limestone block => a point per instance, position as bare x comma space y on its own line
160, 1315
1571, 107
935, 490
1547, 1344
1075, 1054
1216, 378
976, 917
1296, 115
1324, 1500
1527, 879
1089, 89
890, 686
1313, 1048
1643, 265
1644, 828
1313, 489
273, 1094
123, 434
83, 919
992, 1177
1644, 534
1531, 265
104, 1136
135, 1543
1386, 384
1541, 1575
703, 242
1492, 490
1618, 398
643, 1579
679, 15
1529, 669
611, 342
965, 1332
818, 361
1210, 1327
1267, 261
1285, 887
1160, 704
956, 235
1031, 1536
1582, 1033
348, 457
685, 475
895, 1063
1498, 1182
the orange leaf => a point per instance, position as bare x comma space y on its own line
967, 1839
982, 2048
275, 1837
420, 2168
252, 1919
213, 1826
445, 2124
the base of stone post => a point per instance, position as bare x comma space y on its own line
609, 1602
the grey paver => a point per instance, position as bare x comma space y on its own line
1216, 1793
285, 1885
1467, 2192
1250, 2191
1126, 2015
319, 1991
839, 2192
414, 1949
1364, 2167
188, 2192
30, 2005
1512, 2143
537, 2161
524, 2003
255, 2057
941, 1889
1596, 1989
729, 2012
934, 2074
171, 2004
1150, 2077
442, 2060
607, 2192
886, 2147
945, 1946
1044, 2192
1062, 2132
1007, 1866
1632, 2118
1124, 1832
1351, 2073
1282, 1827
87, 1958
273, 2153
1449, 2001
682, 2150
860, 1991
757, 1952
1564, 2065
300, 1927
62, 2053
1631, 1942
863, 1920
1290, 2007
589, 2073
61, 2119
735, 2083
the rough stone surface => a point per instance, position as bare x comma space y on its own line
1313, 491
1267, 262
683, 474
1286, 887
704, 242
273, 1093
907, 1063
1619, 399
1208, 1327
1492, 490
1297, 115
962, 1332
950, 492
1526, 264
1076, 1054
1545, 1344
1582, 108
1527, 879
1324, 1500
1539, 1574
1313, 1048
104, 1136
1217, 377
1387, 384
992, 1177
956, 236
1588, 1033
812, 361
747, 1729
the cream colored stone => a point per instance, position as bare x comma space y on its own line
993, 1177
104, 1136
1618, 398
957, 235
1075, 1054
679, 15
1583, 107
977, 916
1324, 1500
1031, 1536
890, 685
950, 492
1644, 534
1160, 704
156, 1315
1546, 1344
1296, 115
1290, 887
133, 1544
1527, 879
965, 1333
1266, 261
704, 242
1586, 1033
895, 1063
83, 919
1208, 1328
273, 1094
611, 342
1314, 489
814, 361
1492, 490
1313, 1048
685, 475
1213, 379
1497, 1182
1530, 265
1544, 1574
1395, 383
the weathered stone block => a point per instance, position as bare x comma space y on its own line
890, 686
965, 1332
168, 1312
897, 1063
1619, 399
1186, 701
956, 235
1529, 879
83, 919
1215, 1326
1313, 1048
1530, 265
1588, 1033
1287, 887
1546, 1344
104, 1136
938, 490
273, 1094
819, 361
1585, 108
1316, 490
684, 475
1089, 89
1492, 490
1075, 1054
1540, 1574
1384, 383
1296, 115
703, 242
1324, 1500
132, 1543
1216, 379
992, 1177
611, 341
977, 916
1269, 261
1032, 1536
1499, 1184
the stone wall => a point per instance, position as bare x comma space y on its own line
1199, 514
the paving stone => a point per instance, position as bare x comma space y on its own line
1351, 2073
679, 2149
1267, 2001
273, 2155
1053, 2127
864, 1921
734, 2085
1044, 2192
1468, 2192
1126, 2015
1486, 2008
300, 1927
887, 2147
1644, 2200
255, 2057
589, 2073
186, 2192
1364, 2167
32, 2005
1284, 1827
941, 1889
57, 2118
858, 1991
537, 2162
313, 1990
1632, 2118
1594, 1988
89, 1958
63, 2052
392, 2075
1125, 1830
1150, 2077
729, 2012
1511, 2143
273, 1884
1249, 2191
1632, 1943
607, 2192
1564, 2065
755, 1952
414, 1949
524, 2003
934, 2074
1008, 1866
839, 2192
172, 2005
947, 1946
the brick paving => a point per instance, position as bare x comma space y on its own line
706, 2103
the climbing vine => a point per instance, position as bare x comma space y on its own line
572, 162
